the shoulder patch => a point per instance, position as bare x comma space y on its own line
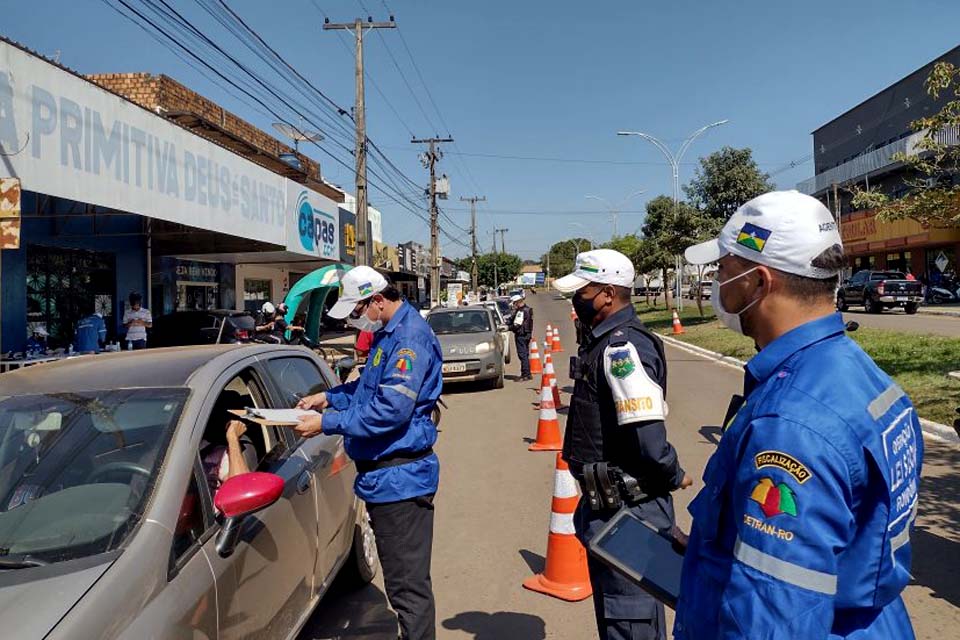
636, 397
774, 499
622, 363
377, 356
405, 358
784, 461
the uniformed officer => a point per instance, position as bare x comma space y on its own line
385, 419
616, 432
521, 324
802, 529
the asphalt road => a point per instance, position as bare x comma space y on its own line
493, 511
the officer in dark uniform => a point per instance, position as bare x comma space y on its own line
615, 441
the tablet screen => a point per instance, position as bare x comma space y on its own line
637, 550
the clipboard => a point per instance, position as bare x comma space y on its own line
273, 417
647, 557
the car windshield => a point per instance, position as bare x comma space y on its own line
77, 468
887, 275
466, 321
504, 307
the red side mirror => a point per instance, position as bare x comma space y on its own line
247, 493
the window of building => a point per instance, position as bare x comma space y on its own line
256, 292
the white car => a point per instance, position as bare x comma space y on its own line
502, 328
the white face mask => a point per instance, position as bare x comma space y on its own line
731, 320
363, 323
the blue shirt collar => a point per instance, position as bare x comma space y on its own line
765, 363
401, 313
615, 320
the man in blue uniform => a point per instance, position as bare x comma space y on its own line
91, 334
385, 420
802, 529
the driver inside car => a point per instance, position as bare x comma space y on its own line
224, 451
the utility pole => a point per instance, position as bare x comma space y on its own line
473, 232
503, 243
364, 252
429, 160
503, 249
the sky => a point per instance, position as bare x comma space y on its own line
533, 92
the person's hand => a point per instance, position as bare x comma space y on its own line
686, 482
235, 429
316, 401
310, 426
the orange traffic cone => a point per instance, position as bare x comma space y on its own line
565, 574
573, 314
548, 340
535, 365
545, 379
548, 369
556, 347
548, 426
677, 327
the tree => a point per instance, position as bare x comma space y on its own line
725, 180
495, 267
563, 254
671, 229
935, 160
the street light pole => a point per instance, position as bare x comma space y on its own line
615, 209
589, 235
674, 160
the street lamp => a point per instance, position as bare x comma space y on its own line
588, 232
615, 209
674, 160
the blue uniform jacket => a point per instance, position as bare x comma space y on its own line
91, 331
802, 529
388, 409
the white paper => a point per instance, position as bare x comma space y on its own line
286, 416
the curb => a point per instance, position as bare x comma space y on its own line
948, 314
930, 428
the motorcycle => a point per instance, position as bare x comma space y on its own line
946, 291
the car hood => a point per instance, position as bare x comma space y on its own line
33, 601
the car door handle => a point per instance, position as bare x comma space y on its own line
303, 482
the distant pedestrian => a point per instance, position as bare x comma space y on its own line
137, 320
91, 334
37, 344
521, 324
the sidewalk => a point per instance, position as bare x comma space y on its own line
941, 310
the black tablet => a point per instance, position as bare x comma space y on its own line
641, 553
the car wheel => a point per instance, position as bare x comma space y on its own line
361, 567
870, 306
497, 383
842, 302
911, 308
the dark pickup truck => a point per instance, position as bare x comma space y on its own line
879, 290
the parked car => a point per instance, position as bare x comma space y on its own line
105, 500
471, 345
502, 328
702, 288
503, 303
879, 290
213, 326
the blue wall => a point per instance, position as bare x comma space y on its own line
78, 232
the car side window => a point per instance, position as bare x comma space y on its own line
192, 521
295, 377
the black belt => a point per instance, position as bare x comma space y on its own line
392, 460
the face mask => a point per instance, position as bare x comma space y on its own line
363, 323
584, 308
731, 320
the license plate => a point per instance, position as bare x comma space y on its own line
454, 367
902, 298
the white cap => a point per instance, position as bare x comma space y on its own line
604, 266
516, 298
783, 230
41, 331
357, 284
268, 307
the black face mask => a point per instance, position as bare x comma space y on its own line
584, 308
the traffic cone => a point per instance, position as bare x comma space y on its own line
556, 347
677, 326
544, 379
573, 314
548, 426
548, 339
565, 574
548, 368
535, 365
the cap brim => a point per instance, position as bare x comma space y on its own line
569, 283
342, 309
703, 253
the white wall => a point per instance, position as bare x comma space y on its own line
279, 276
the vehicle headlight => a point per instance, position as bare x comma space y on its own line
485, 347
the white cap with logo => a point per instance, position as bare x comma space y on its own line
603, 266
784, 230
357, 284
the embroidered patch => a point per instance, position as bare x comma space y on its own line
377, 356
405, 358
753, 237
622, 364
767, 528
774, 499
366, 289
784, 461
589, 268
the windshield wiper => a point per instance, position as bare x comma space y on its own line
21, 562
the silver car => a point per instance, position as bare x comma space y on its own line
471, 342
114, 526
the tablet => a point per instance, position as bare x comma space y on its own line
641, 553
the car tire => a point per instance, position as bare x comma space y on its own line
870, 306
911, 308
497, 383
361, 566
842, 302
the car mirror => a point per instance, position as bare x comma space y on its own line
239, 497
502, 327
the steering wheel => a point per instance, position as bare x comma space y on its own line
116, 467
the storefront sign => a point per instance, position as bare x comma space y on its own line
9, 213
858, 230
348, 236
191, 270
942, 262
313, 223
